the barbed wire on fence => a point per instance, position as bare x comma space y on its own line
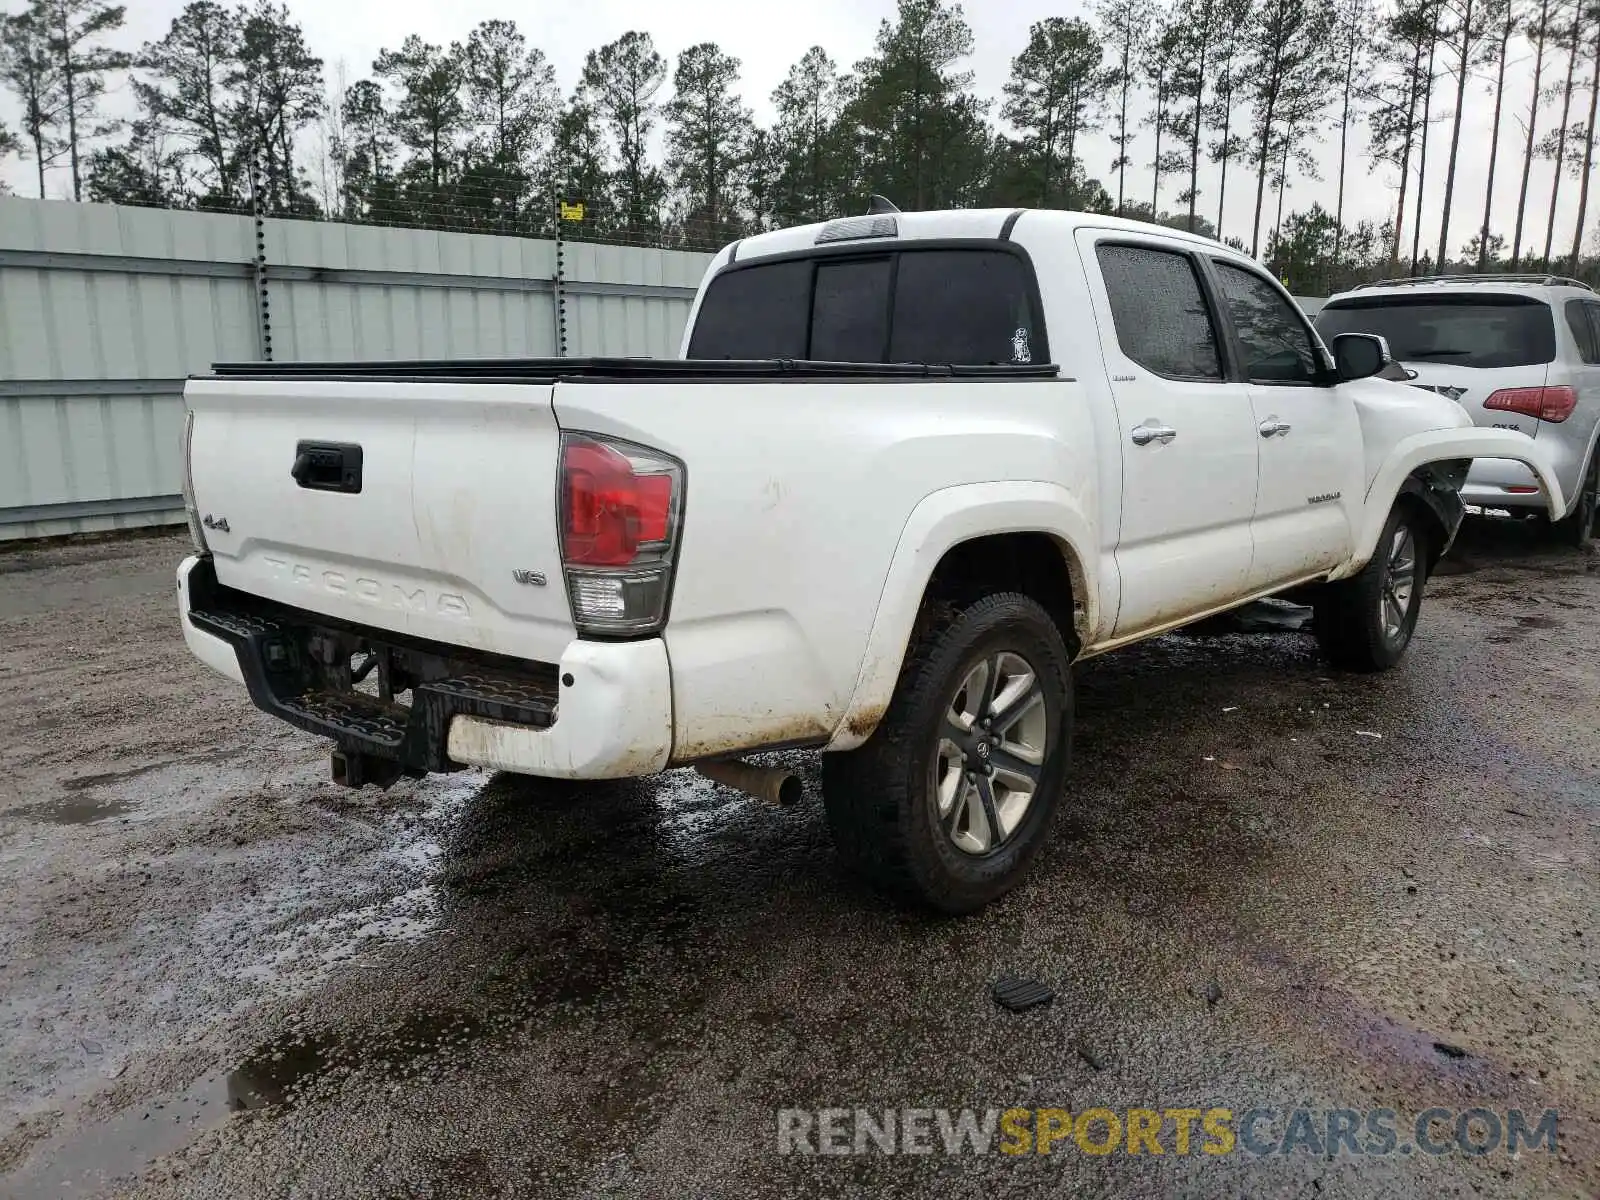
511, 208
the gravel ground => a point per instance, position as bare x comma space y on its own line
1274, 887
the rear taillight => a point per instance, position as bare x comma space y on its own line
621, 507
197, 533
1544, 403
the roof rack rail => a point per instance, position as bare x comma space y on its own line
1480, 277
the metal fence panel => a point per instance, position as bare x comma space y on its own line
105, 310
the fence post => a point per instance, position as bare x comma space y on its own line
559, 285
263, 305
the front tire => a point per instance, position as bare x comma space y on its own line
1365, 623
951, 797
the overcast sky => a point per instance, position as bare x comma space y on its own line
768, 37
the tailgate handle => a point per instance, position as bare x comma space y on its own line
327, 466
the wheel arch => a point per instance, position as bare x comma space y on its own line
1429, 468
963, 542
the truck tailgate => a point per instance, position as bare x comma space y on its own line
451, 535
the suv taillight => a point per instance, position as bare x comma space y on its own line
621, 508
1544, 403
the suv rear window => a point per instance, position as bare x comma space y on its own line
1462, 330
964, 307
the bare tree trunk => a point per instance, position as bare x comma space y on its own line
1588, 158
1161, 117
1422, 155
1122, 125
1227, 121
1194, 134
1561, 142
1283, 185
1261, 182
1494, 136
1463, 55
1405, 162
1533, 121
1344, 141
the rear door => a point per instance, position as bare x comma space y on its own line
1310, 437
1188, 434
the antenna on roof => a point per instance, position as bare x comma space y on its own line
880, 204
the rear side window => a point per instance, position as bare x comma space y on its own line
1585, 331
1465, 330
1161, 317
964, 306
850, 311
757, 312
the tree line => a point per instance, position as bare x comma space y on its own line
232, 108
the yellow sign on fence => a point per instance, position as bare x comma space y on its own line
572, 212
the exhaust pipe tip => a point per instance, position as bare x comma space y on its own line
774, 785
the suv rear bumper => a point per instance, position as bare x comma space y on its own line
603, 712
1503, 483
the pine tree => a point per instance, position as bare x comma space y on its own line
1234, 18
1053, 96
708, 136
511, 89
1556, 145
1351, 33
623, 79
1200, 27
1505, 27
430, 116
1290, 78
277, 83
1474, 23
807, 139
1591, 22
1160, 56
29, 70
188, 93
920, 133
1125, 28
1541, 32
74, 32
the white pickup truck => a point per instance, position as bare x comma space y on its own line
910, 469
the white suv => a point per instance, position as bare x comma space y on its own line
1516, 352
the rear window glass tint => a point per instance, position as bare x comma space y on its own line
1161, 318
755, 312
1463, 330
850, 311
965, 307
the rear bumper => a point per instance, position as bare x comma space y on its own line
603, 712
1503, 483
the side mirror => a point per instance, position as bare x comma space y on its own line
1360, 355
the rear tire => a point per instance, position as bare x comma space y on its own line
1364, 623
951, 797
1577, 527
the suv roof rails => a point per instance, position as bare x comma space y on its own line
1480, 277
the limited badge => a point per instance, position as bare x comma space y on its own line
1019, 347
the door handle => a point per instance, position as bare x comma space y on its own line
1272, 427
1143, 435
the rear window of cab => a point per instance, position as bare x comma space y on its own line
940, 305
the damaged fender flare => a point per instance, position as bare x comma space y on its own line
1441, 446
941, 521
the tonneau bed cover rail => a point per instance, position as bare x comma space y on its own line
642, 370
